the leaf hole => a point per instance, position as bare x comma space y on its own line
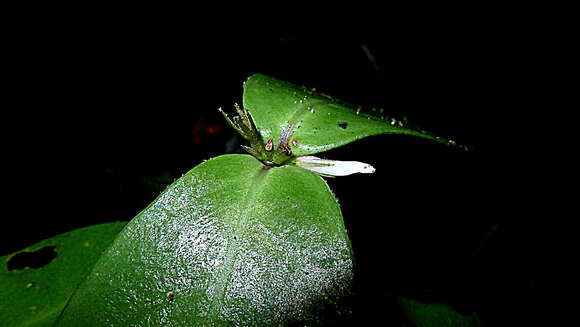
343, 125
34, 260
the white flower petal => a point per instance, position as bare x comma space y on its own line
333, 167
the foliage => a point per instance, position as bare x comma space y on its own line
239, 240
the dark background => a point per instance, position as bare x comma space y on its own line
110, 110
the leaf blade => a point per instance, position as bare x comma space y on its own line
234, 242
35, 297
320, 122
435, 315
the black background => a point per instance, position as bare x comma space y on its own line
107, 110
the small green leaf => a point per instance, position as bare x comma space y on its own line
310, 122
231, 243
434, 315
37, 282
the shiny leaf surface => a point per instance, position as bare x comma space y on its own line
231, 243
309, 122
37, 282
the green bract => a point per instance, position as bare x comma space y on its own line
232, 242
307, 122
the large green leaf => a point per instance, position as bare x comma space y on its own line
435, 315
36, 296
315, 121
232, 243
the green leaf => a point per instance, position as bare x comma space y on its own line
434, 315
36, 296
231, 243
315, 121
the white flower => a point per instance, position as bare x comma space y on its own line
333, 167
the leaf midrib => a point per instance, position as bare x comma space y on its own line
230, 254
